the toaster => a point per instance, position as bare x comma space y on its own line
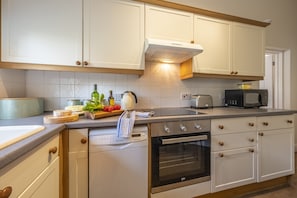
201, 101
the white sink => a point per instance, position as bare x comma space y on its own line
12, 134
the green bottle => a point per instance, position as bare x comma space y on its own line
95, 94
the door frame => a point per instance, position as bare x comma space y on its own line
282, 77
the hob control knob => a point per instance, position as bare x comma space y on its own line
183, 127
166, 129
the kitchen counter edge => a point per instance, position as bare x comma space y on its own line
15, 151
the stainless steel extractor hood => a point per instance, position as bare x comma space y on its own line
170, 51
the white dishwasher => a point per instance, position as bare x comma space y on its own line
118, 168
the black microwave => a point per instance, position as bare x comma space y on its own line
247, 98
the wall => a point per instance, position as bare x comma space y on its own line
160, 86
12, 83
280, 34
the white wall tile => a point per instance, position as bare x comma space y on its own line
67, 78
52, 77
159, 86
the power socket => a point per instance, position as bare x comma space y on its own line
185, 96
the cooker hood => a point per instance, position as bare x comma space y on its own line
166, 51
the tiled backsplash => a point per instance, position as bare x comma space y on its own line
160, 86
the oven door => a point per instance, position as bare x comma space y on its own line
180, 160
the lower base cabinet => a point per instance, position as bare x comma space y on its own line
251, 149
78, 163
46, 185
35, 174
275, 154
233, 168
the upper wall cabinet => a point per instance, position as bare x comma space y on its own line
41, 32
248, 49
106, 34
168, 24
114, 34
215, 37
231, 50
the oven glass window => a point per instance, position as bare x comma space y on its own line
179, 162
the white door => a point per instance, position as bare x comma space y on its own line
277, 78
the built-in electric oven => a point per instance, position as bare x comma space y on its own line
180, 154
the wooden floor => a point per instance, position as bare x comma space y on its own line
284, 192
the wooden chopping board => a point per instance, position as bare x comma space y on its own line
103, 114
50, 119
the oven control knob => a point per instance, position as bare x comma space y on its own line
197, 126
166, 129
183, 127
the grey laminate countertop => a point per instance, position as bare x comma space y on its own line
11, 153
14, 151
212, 113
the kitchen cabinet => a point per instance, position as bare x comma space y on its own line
78, 163
215, 37
89, 33
275, 146
114, 34
35, 174
233, 155
248, 50
168, 24
41, 32
231, 50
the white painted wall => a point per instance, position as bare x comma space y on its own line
282, 33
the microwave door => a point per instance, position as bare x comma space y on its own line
252, 99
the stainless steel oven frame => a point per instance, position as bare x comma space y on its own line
177, 134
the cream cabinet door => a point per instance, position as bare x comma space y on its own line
168, 24
215, 37
114, 34
276, 153
232, 168
248, 49
41, 32
78, 163
46, 185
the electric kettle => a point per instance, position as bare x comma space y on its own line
129, 100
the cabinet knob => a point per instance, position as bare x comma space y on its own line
83, 140
251, 150
290, 121
265, 123
192, 42
221, 155
5, 193
235, 72
251, 124
251, 139
232, 73
78, 63
261, 134
53, 150
221, 126
86, 63
221, 143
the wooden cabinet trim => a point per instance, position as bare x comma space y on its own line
186, 72
24, 66
205, 12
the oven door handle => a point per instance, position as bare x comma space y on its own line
184, 139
